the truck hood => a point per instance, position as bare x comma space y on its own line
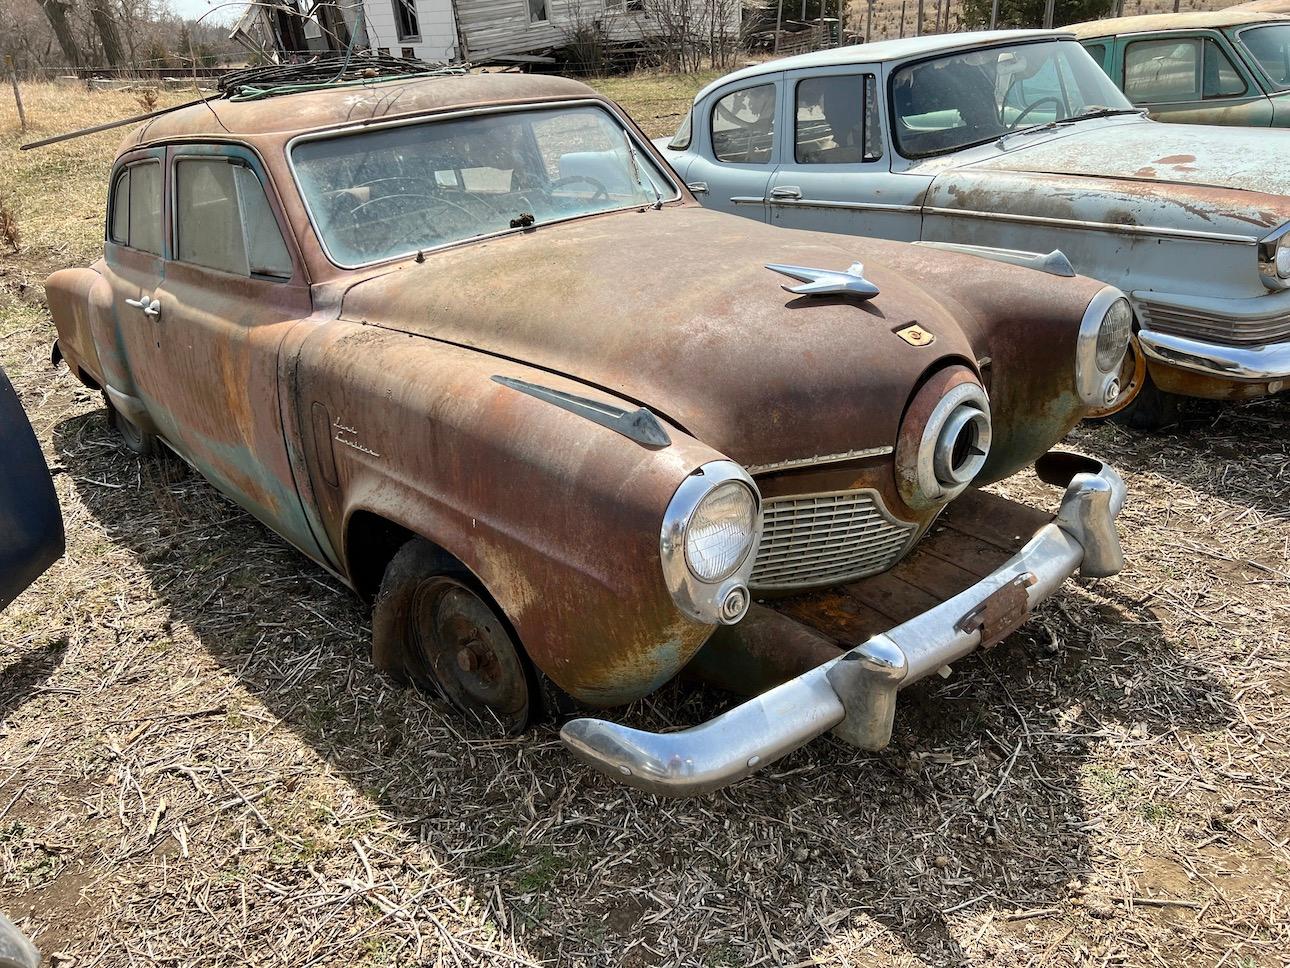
674, 310
1178, 176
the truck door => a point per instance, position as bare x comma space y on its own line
232, 289
1193, 78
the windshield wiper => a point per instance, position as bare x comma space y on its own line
1099, 113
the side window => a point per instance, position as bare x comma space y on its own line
743, 125
136, 207
837, 120
1222, 79
223, 220
1159, 71
1097, 51
119, 221
681, 140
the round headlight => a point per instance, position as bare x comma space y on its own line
720, 531
1113, 338
1283, 257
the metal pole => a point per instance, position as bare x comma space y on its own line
994, 15
779, 24
1049, 11
868, 23
17, 95
918, 27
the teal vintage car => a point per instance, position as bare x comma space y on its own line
1220, 67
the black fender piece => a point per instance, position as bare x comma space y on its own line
31, 524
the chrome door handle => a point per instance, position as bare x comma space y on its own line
141, 303
787, 191
153, 308
699, 188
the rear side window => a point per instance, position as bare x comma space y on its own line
743, 126
837, 120
1183, 69
135, 219
223, 220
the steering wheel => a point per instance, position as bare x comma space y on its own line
425, 216
599, 191
1056, 103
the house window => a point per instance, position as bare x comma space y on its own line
537, 12
408, 52
406, 22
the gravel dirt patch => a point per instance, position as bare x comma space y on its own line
200, 766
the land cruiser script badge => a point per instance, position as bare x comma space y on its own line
828, 282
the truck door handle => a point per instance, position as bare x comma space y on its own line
141, 303
699, 188
150, 307
786, 191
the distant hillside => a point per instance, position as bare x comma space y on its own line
886, 13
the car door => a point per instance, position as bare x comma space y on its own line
834, 174
133, 261
1191, 77
737, 153
234, 285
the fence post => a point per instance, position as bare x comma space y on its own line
17, 95
779, 24
1049, 12
994, 15
902, 19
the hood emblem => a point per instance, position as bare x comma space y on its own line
828, 282
915, 335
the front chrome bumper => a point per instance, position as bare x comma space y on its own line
855, 694
1265, 363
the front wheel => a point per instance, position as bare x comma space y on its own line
1153, 409
433, 626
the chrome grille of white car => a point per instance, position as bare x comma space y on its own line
810, 540
1212, 327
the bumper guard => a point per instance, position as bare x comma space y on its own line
855, 694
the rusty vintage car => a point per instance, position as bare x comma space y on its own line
465, 342
1017, 141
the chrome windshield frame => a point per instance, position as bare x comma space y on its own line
351, 130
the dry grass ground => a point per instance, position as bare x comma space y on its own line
199, 765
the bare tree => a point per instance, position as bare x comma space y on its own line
56, 12
105, 24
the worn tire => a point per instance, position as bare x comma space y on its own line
133, 437
435, 627
1152, 411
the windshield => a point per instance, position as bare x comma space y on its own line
970, 98
376, 195
1270, 46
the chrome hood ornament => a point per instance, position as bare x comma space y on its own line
828, 282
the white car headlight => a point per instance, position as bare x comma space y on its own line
1104, 335
720, 531
710, 532
1274, 258
1113, 338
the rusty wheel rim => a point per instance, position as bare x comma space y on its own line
467, 652
1133, 374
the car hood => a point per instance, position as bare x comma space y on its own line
1214, 179
674, 310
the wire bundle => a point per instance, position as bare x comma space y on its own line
325, 71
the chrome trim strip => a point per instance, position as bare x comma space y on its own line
819, 459
639, 425
1146, 230
430, 117
748, 199
1054, 263
1255, 364
848, 206
856, 692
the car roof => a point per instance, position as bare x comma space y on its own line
348, 104
1172, 21
885, 50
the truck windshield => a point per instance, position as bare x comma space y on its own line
377, 195
969, 98
1270, 46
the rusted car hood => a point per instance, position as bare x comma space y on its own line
674, 310
1203, 177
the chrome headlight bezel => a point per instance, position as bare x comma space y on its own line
1097, 386
726, 600
1274, 258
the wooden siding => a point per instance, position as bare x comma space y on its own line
438, 32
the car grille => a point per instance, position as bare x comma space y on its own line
1212, 327
822, 539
